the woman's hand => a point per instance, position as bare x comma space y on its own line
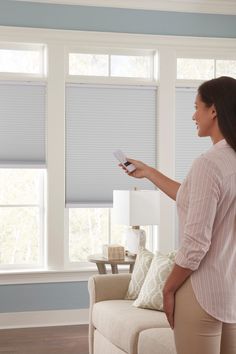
141, 171
169, 306
174, 281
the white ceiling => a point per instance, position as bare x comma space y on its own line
227, 7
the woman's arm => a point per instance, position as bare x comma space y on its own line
165, 184
176, 278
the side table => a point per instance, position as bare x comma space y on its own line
101, 263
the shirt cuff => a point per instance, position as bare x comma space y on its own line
182, 261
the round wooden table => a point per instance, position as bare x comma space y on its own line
101, 263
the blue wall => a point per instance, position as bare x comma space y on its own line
50, 296
74, 295
89, 18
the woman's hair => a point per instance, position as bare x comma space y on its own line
222, 93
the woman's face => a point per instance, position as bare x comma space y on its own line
204, 117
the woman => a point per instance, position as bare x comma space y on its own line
200, 293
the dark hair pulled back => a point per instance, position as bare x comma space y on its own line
222, 93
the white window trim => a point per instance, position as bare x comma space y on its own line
46, 276
110, 80
208, 53
199, 6
57, 42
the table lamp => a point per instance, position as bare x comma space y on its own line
135, 208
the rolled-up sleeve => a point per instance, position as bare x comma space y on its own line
204, 185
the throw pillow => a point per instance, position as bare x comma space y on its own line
150, 296
141, 266
171, 255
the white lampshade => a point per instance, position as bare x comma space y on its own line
136, 207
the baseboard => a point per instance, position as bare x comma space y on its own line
43, 318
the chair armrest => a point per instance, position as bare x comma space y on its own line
108, 287
105, 287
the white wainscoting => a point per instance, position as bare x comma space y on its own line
43, 318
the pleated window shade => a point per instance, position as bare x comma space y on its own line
188, 145
22, 120
99, 120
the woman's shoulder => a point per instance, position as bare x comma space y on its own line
204, 166
219, 162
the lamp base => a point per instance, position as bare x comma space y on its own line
135, 239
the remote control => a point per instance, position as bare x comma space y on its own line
121, 157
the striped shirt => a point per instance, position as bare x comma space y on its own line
206, 205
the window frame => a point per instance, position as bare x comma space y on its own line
109, 80
56, 43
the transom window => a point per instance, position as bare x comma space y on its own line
22, 59
111, 65
204, 69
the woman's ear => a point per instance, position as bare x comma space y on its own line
213, 111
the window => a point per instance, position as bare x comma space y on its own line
131, 66
103, 93
22, 59
90, 228
195, 69
187, 142
100, 119
21, 218
226, 68
88, 64
111, 65
22, 156
204, 69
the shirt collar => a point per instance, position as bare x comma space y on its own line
220, 144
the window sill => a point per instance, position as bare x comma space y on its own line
37, 276
46, 276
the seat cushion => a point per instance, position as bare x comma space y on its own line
156, 341
121, 323
103, 346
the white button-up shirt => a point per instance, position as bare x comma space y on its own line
206, 204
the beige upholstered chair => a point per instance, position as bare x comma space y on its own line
117, 327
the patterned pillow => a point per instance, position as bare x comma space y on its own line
141, 266
171, 255
150, 296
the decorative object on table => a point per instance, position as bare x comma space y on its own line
102, 262
150, 296
141, 267
135, 208
113, 252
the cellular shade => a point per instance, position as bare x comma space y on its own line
188, 145
99, 120
22, 119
